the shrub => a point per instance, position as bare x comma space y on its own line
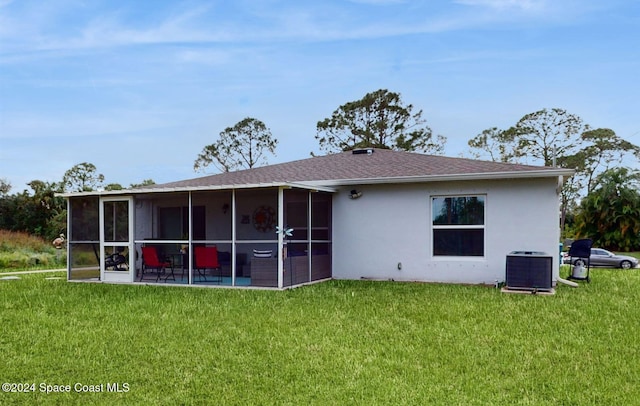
20, 250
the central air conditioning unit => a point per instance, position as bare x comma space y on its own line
529, 270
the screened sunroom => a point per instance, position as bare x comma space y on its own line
274, 236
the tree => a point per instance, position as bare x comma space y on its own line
82, 178
146, 182
495, 144
546, 134
555, 135
244, 145
379, 120
113, 186
48, 215
602, 149
5, 187
610, 214
35, 213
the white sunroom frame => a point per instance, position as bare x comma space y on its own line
129, 195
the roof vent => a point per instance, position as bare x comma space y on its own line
360, 151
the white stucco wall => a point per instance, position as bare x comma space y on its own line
391, 224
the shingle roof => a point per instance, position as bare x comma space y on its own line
379, 166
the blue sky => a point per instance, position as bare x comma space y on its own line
138, 88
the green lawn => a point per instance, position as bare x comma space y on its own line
340, 342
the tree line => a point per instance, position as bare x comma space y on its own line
39, 211
601, 201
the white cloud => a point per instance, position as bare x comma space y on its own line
294, 22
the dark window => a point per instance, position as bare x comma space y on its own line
116, 221
174, 223
461, 242
458, 226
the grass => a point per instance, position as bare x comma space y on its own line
339, 342
21, 251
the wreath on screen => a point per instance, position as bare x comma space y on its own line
264, 218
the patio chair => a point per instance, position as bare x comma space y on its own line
152, 261
207, 258
579, 258
116, 261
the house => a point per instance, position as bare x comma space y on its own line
362, 214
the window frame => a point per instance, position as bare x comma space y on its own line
434, 227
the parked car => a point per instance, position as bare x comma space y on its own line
602, 257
